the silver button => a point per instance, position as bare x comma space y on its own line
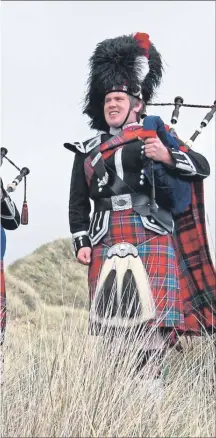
142, 176
142, 147
142, 171
100, 189
142, 152
141, 183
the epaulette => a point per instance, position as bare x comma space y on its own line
84, 147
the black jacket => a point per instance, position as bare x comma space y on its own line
169, 180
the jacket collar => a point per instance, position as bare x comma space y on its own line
116, 131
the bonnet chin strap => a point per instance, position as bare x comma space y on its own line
128, 113
136, 96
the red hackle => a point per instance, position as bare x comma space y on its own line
142, 40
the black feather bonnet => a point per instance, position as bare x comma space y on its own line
117, 65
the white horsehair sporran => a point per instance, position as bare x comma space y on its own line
123, 297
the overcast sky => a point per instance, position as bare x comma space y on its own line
45, 48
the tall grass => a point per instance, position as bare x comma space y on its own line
65, 383
61, 382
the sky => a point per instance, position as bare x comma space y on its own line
45, 48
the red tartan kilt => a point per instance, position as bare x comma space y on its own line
158, 257
2, 304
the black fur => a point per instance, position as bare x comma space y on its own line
117, 62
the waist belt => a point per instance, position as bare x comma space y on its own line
121, 202
140, 203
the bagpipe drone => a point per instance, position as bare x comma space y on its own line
178, 103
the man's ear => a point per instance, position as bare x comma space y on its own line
138, 107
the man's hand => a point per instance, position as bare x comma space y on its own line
156, 150
84, 255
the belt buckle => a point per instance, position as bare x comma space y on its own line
121, 202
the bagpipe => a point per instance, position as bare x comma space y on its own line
155, 123
178, 103
11, 187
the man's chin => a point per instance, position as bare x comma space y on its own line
115, 123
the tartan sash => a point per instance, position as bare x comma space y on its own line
126, 136
95, 160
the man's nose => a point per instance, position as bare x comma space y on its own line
112, 104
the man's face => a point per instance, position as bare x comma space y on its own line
116, 107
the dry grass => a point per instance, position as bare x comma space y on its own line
63, 383
60, 382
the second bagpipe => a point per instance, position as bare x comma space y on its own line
23, 172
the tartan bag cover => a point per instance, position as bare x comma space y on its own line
199, 294
198, 275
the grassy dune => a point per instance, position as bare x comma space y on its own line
50, 275
60, 382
